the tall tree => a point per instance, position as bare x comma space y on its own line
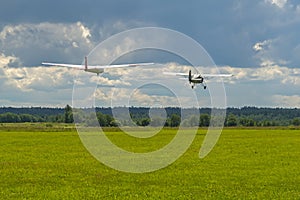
68, 114
204, 120
296, 121
175, 120
231, 120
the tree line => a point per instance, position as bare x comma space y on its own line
246, 116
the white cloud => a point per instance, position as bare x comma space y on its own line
268, 72
278, 3
104, 81
29, 44
270, 52
6, 61
140, 98
140, 87
292, 101
34, 42
52, 80
85, 32
136, 97
260, 46
38, 78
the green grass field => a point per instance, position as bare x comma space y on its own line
48, 161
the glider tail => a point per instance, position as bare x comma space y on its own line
190, 76
85, 63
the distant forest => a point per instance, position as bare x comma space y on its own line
245, 116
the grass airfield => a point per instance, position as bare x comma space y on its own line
48, 161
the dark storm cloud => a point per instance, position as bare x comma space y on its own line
35, 11
227, 29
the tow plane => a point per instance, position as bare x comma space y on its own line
97, 69
198, 78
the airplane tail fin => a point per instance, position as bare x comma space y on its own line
85, 63
190, 76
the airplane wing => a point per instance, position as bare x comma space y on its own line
210, 76
120, 66
203, 75
217, 75
177, 74
64, 65
96, 66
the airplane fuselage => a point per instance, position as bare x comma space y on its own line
94, 70
197, 79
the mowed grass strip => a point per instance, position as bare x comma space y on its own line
245, 164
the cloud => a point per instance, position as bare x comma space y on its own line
32, 43
257, 41
280, 50
130, 83
139, 87
278, 3
38, 78
292, 101
237, 26
106, 82
36, 86
269, 72
137, 97
6, 61
260, 46
109, 28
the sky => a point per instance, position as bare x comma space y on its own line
255, 40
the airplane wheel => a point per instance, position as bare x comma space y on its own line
204, 87
192, 87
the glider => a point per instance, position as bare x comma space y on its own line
98, 69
